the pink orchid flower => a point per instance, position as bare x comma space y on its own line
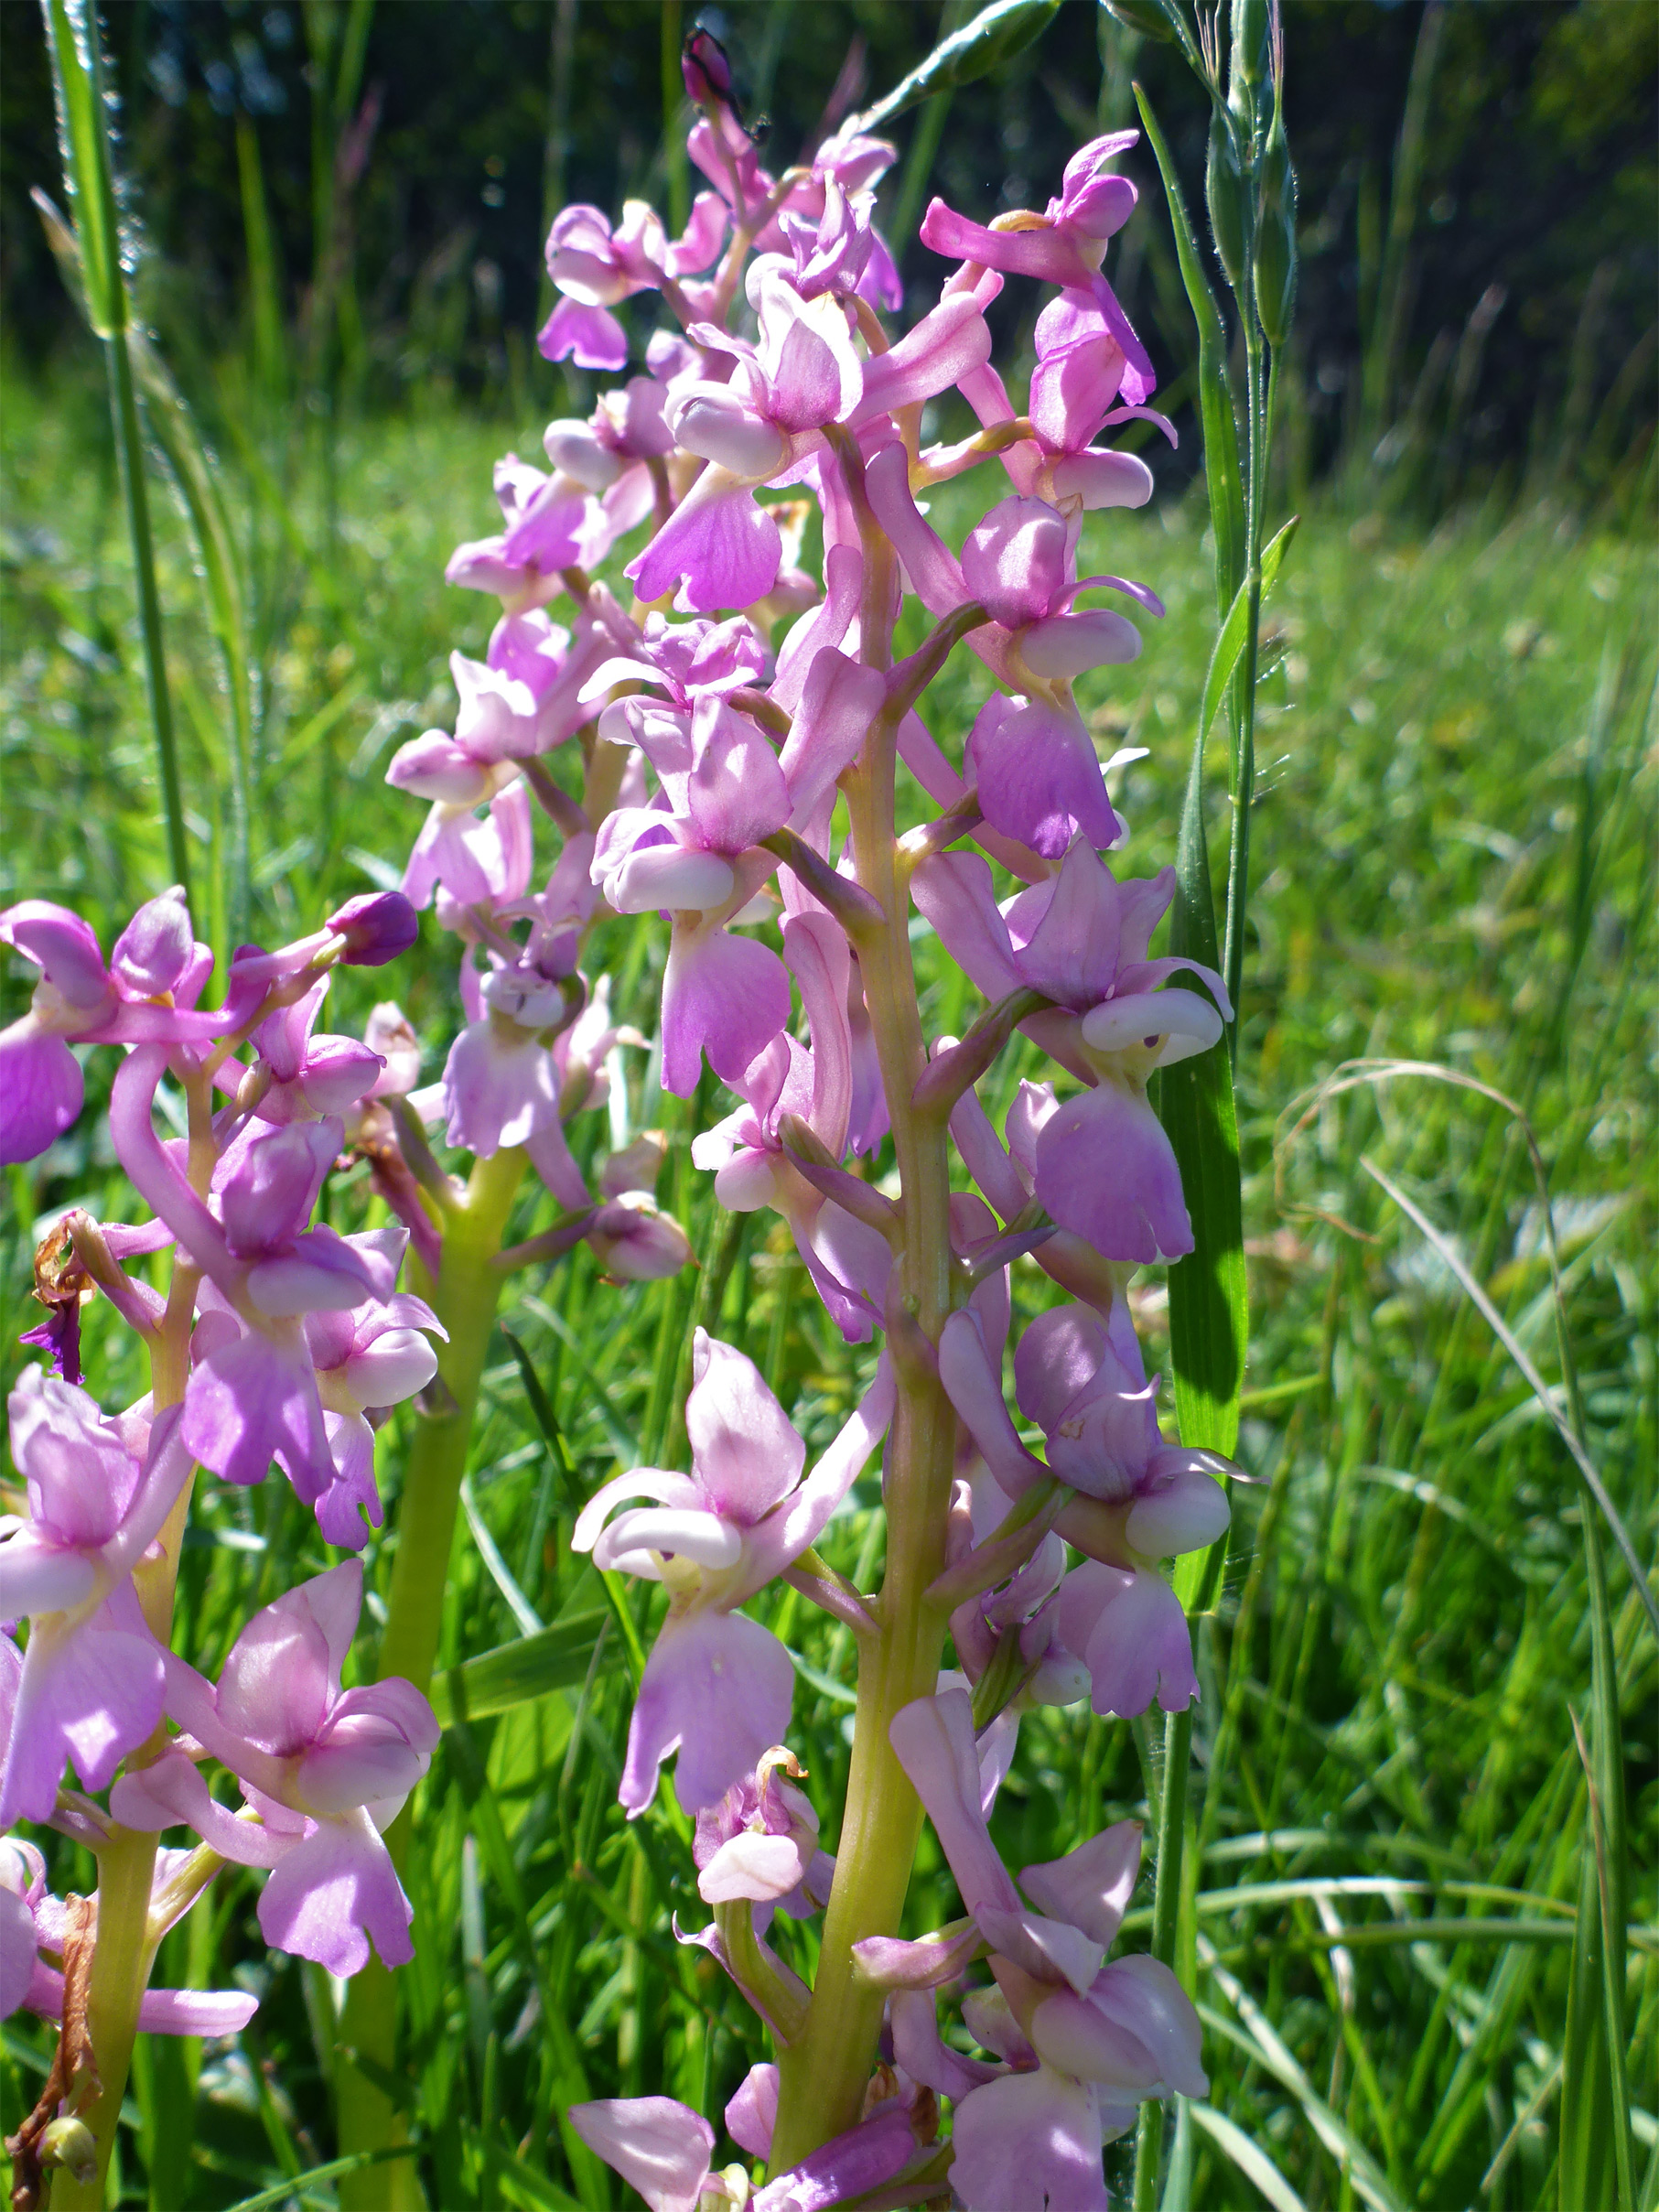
324, 1770
1101, 1163
145, 995
89, 1688
1083, 2041
32, 1933
664, 2149
718, 1687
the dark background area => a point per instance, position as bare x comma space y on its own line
1538, 179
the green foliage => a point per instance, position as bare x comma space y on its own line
1389, 1818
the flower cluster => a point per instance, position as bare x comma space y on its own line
733, 742
722, 753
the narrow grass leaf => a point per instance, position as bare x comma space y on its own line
1500, 1328
515, 1674
1248, 2156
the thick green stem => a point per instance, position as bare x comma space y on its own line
464, 1299
826, 2070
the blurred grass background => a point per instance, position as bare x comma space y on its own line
1455, 864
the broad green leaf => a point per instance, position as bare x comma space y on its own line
495, 1681
1209, 1305
995, 36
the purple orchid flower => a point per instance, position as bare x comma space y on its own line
252, 1395
1039, 777
368, 1360
299, 1076
1140, 1499
145, 995
664, 2149
33, 1931
719, 545
323, 1771
760, 1841
1101, 1163
1083, 2043
477, 862
717, 1687
848, 1261
90, 1687
1064, 246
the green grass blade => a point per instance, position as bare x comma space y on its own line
90, 171
1248, 2156
495, 1681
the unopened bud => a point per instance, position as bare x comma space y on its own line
68, 2143
377, 926
706, 69
633, 1242
1252, 25
1146, 17
1276, 238
1224, 190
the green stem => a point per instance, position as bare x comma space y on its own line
1166, 1922
464, 1299
1243, 761
825, 2071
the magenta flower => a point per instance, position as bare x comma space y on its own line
802, 375
1101, 1162
367, 1361
761, 1840
32, 1934
664, 2149
849, 1262
323, 1770
89, 1688
145, 995
1064, 246
1083, 2041
718, 1687
298, 1077
477, 862
1140, 1499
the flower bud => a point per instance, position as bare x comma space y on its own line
1275, 237
377, 926
1224, 190
1252, 25
1146, 17
68, 2143
706, 69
